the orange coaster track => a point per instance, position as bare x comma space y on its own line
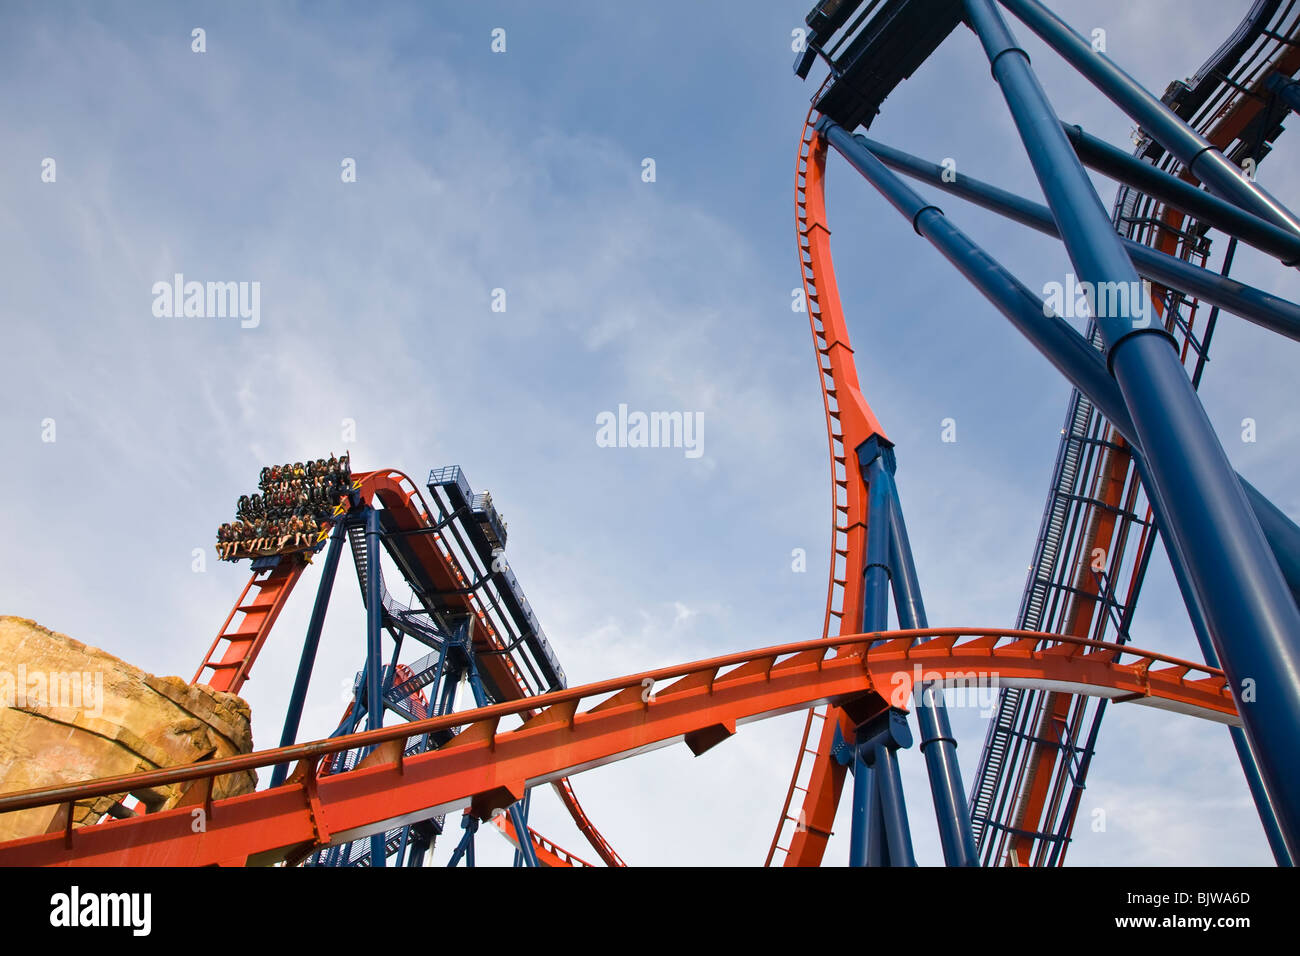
849, 422
486, 767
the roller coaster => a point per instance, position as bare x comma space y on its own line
1137, 461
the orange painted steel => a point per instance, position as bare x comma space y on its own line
849, 422
402, 499
487, 768
608, 855
548, 853
242, 645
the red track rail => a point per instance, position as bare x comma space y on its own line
849, 422
245, 640
548, 853
487, 768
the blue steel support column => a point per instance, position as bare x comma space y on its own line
374, 626
937, 742
418, 846
525, 854
481, 698
1263, 803
868, 815
864, 814
893, 812
864, 847
1282, 534
309, 647
374, 652
876, 574
1201, 158
465, 848
1065, 348
877, 746
353, 717
877, 838
1196, 614
1252, 617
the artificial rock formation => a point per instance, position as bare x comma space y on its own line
70, 712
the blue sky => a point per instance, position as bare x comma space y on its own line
522, 171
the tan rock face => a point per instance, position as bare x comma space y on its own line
70, 712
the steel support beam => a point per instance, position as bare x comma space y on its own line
864, 847
938, 745
1252, 304
876, 573
1196, 153
310, 645
866, 815
1252, 618
1196, 614
890, 564
1128, 169
374, 654
465, 848
1068, 351
525, 855
878, 744
374, 625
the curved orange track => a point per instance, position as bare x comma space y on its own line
487, 767
801, 835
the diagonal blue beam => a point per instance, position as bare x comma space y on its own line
1169, 189
1255, 305
1198, 154
307, 662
